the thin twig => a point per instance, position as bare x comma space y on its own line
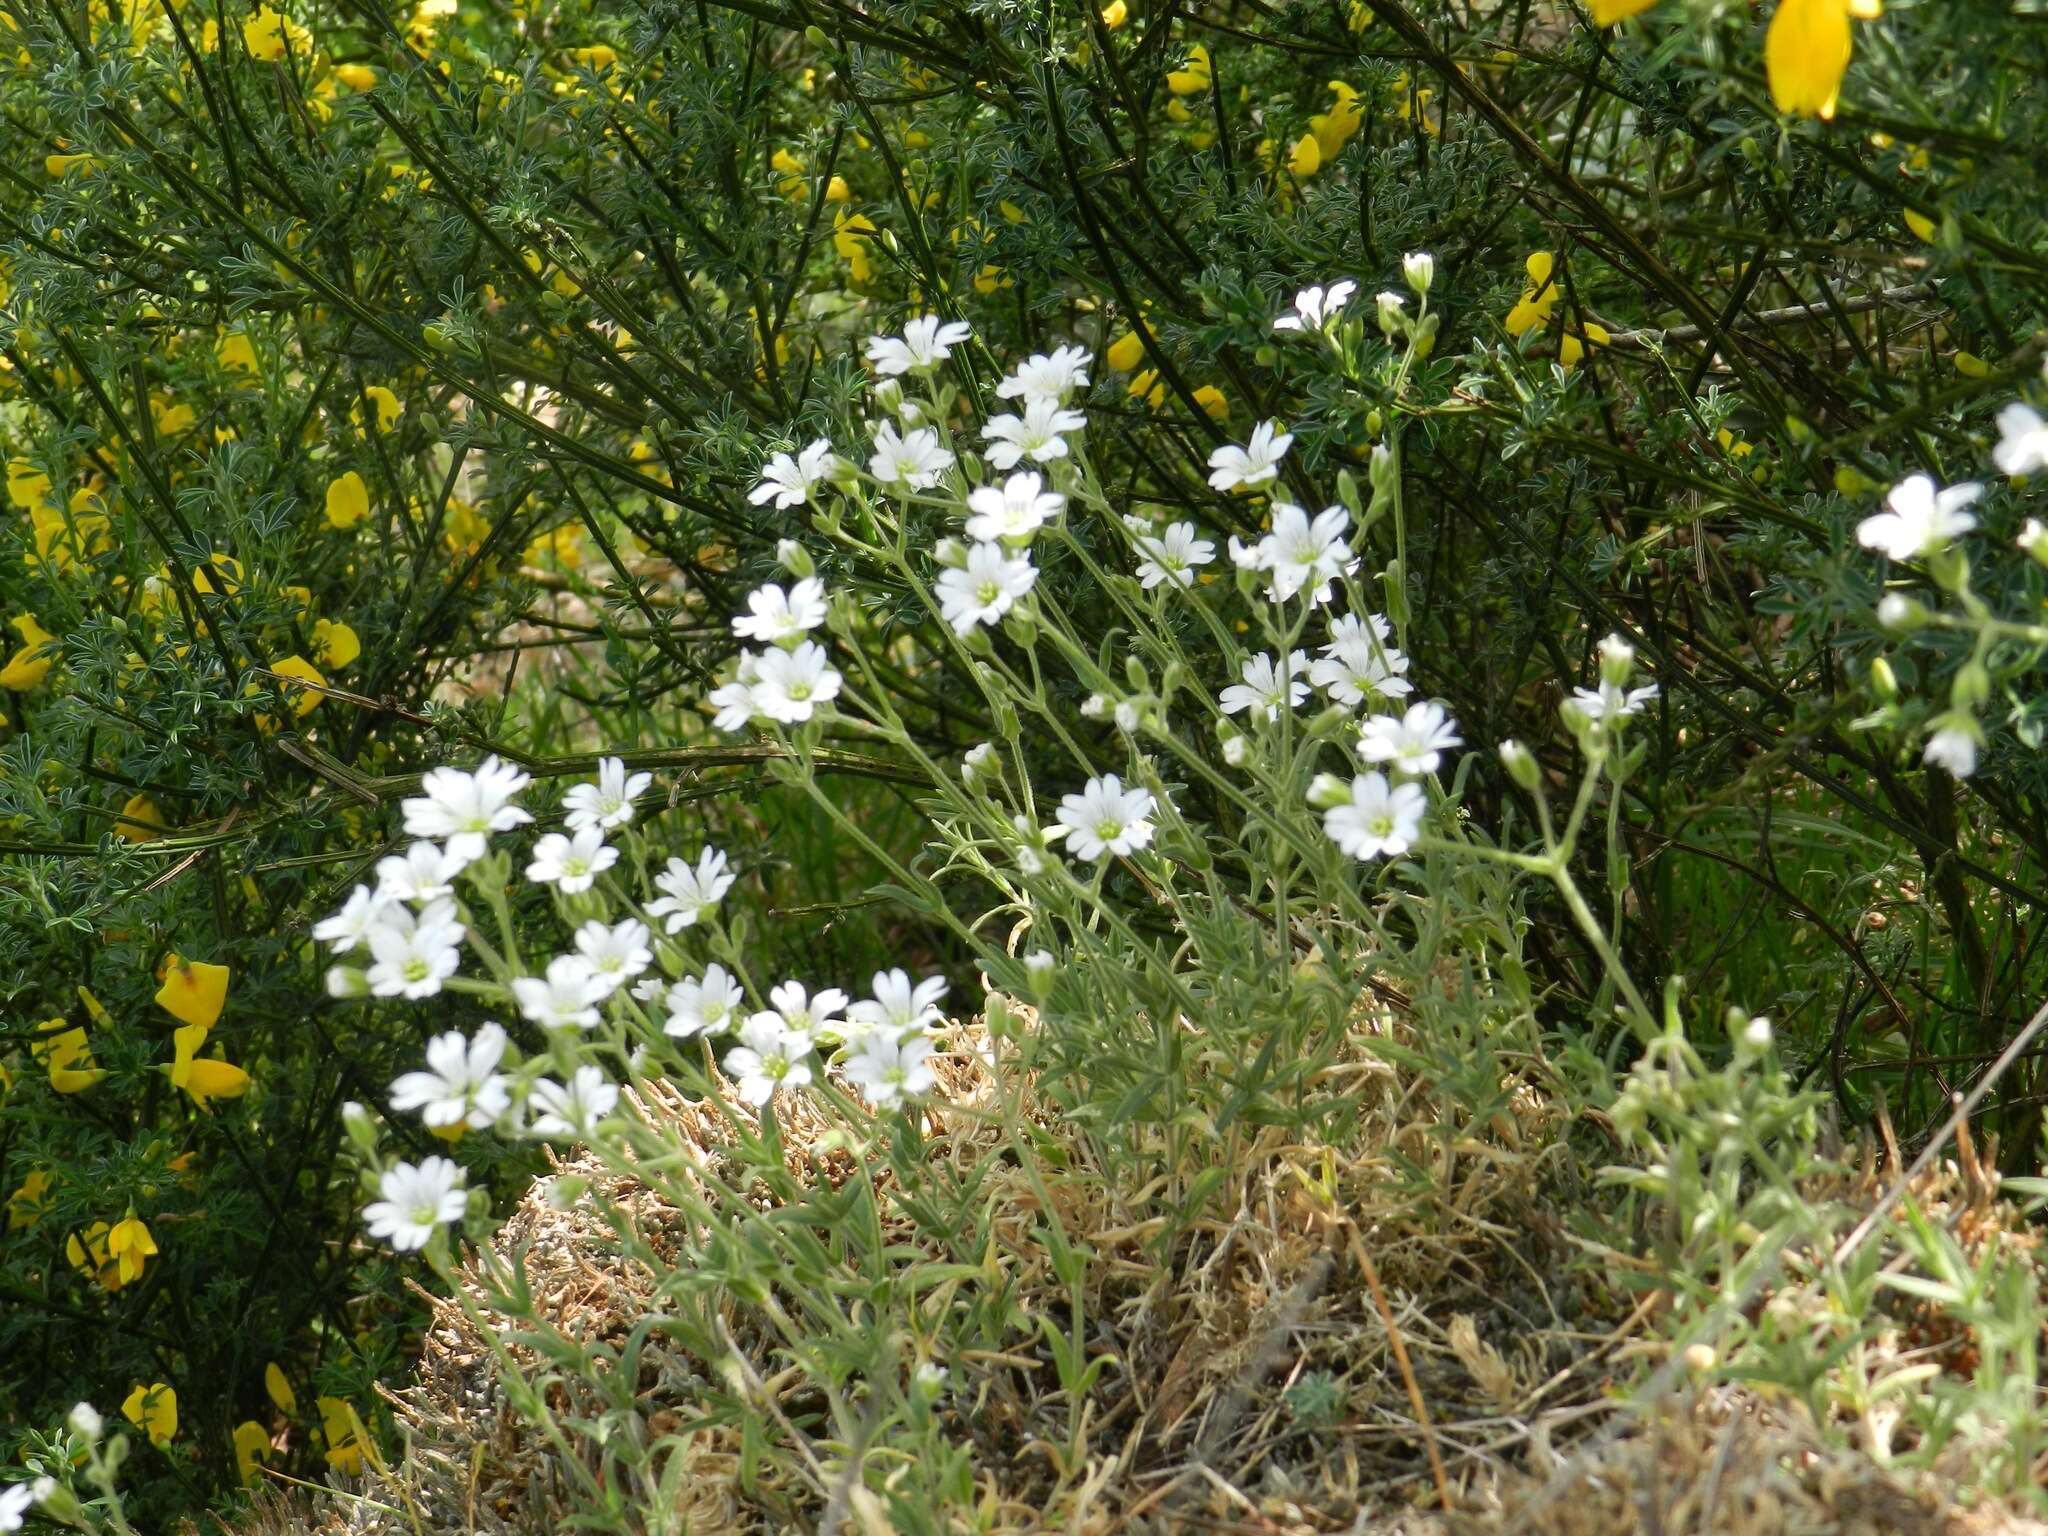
1400, 1348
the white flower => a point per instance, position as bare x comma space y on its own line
926, 342
424, 872
789, 481
774, 616
899, 1006
572, 863
1263, 688
1376, 820
1609, 702
1171, 557
1255, 463
16, 1499
767, 1058
352, 924
1953, 743
2023, 440
1047, 377
789, 685
796, 1011
616, 954
575, 1110
413, 956
608, 802
704, 1006
1922, 519
461, 1085
1302, 552
1236, 749
1358, 663
416, 1201
734, 701
890, 1068
1314, 306
689, 892
1415, 743
1390, 306
1105, 818
1014, 511
912, 463
1036, 435
566, 997
464, 809
1419, 267
984, 589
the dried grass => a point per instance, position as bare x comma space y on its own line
1513, 1345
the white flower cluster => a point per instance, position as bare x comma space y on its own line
1921, 522
411, 923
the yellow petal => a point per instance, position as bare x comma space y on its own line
252, 1446
279, 1388
154, 1410
348, 501
304, 700
1306, 157
1607, 12
1125, 353
1920, 224
1806, 53
338, 644
194, 991
140, 820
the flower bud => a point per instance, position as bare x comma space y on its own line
1392, 320
85, 1422
59, 1503
1884, 681
1896, 611
1419, 267
1521, 764
1617, 661
1039, 971
362, 1130
950, 553
1236, 749
980, 765
2033, 540
564, 1190
347, 982
1327, 791
795, 559
1972, 687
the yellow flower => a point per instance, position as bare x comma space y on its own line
1607, 12
466, 528
154, 1410
1147, 386
194, 991
1806, 52
837, 191
27, 486
205, 1079
235, 350
67, 1056
252, 1446
1115, 14
28, 1204
1193, 78
140, 821
789, 171
337, 644
1920, 224
87, 1252
1125, 353
1333, 129
1571, 348
1536, 304
1305, 158
304, 700
348, 501
130, 1246
338, 1427
226, 568
1214, 401
357, 77
267, 35
57, 165
279, 1388
384, 403
597, 58
850, 235
32, 661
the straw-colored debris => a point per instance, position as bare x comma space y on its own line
1257, 1387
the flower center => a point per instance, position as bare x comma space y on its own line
1109, 831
